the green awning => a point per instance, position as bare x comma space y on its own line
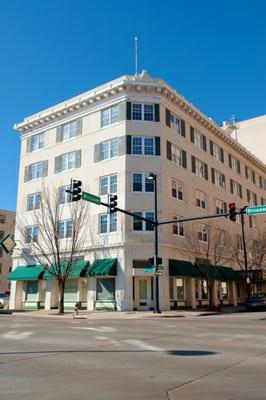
78, 269
106, 266
183, 268
26, 273
209, 271
229, 274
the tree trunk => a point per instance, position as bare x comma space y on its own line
210, 290
61, 286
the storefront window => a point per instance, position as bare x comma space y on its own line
180, 289
224, 287
31, 291
105, 289
71, 289
204, 290
171, 288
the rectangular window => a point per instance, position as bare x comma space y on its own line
142, 112
110, 116
139, 225
109, 149
36, 170
35, 142
250, 175
203, 233
218, 178
175, 123
65, 229
2, 219
178, 228
201, 169
178, 156
180, 289
200, 199
251, 198
108, 184
221, 206
68, 161
200, 140
235, 188
33, 201
63, 196
108, 223
141, 183
216, 151
31, 234
234, 164
177, 190
143, 146
70, 130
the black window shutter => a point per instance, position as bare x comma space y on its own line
192, 139
157, 145
167, 117
240, 191
128, 110
213, 175
129, 144
211, 147
204, 142
256, 202
230, 160
169, 150
157, 112
206, 171
253, 177
193, 164
184, 159
260, 179
222, 154
238, 167
97, 152
248, 194
223, 178
246, 171
262, 201
183, 128
231, 186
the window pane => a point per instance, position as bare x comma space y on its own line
149, 185
148, 112
103, 223
137, 223
103, 185
136, 115
68, 229
65, 132
137, 182
114, 114
105, 117
114, 148
137, 144
149, 225
148, 146
105, 150
113, 222
113, 184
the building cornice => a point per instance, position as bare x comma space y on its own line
127, 84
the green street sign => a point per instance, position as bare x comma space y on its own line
149, 269
256, 210
160, 267
91, 198
8, 244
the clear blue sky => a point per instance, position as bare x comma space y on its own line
211, 51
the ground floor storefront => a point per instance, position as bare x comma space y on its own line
105, 285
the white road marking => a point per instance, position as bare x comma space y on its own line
15, 335
100, 329
101, 337
142, 345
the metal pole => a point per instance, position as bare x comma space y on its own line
157, 306
245, 250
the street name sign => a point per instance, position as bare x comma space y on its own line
8, 244
149, 269
91, 198
256, 210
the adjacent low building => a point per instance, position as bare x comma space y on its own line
111, 138
7, 226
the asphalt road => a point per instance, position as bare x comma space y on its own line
211, 357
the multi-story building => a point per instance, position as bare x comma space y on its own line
7, 226
110, 138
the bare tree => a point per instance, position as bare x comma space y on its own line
49, 248
211, 250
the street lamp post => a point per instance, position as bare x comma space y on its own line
153, 177
245, 250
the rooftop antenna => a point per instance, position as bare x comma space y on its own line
234, 125
136, 56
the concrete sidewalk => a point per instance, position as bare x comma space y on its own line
106, 315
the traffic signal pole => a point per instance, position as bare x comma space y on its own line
242, 213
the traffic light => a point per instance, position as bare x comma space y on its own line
112, 203
232, 211
75, 190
